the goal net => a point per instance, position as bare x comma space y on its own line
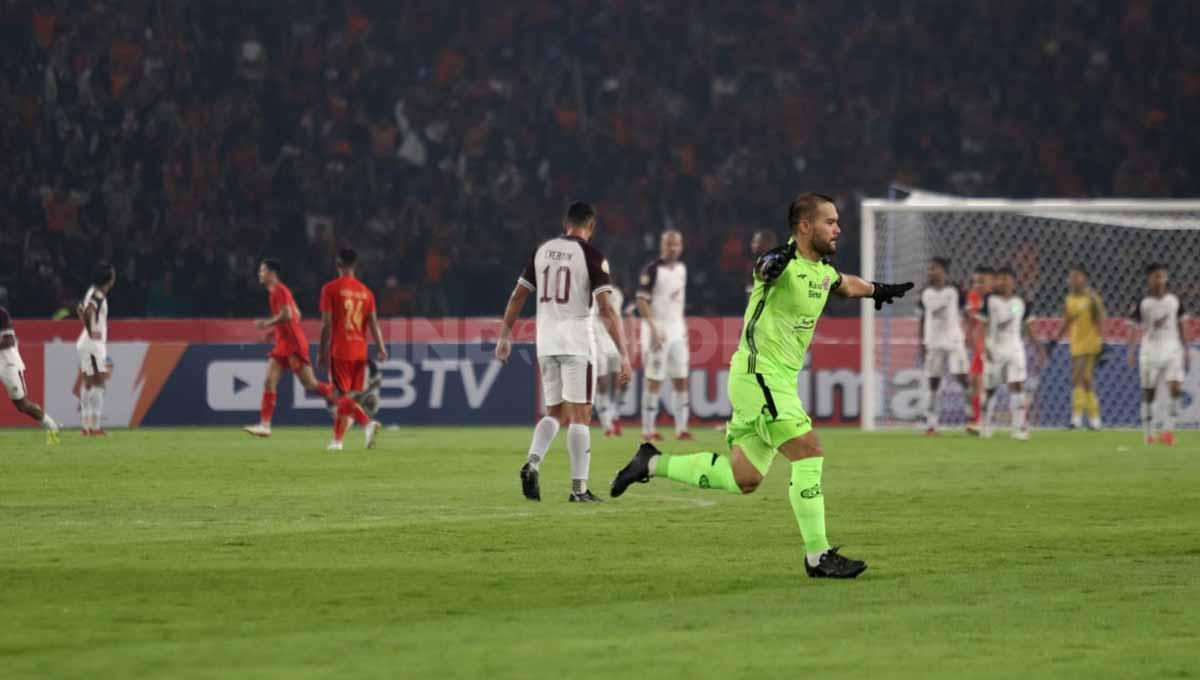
1040, 240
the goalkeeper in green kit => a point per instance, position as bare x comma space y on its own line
791, 285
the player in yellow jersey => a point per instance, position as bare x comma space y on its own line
1083, 318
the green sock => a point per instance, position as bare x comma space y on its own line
705, 470
808, 504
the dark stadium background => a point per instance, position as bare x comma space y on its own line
182, 140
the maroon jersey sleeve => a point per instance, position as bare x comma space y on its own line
597, 268
647, 280
528, 277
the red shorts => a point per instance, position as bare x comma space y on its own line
977, 364
291, 359
348, 375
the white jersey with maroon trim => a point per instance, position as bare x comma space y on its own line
941, 317
96, 300
1159, 319
664, 286
10, 357
1004, 317
564, 273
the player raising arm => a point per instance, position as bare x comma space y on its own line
1163, 355
567, 273
792, 284
346, 306
290, 352
12, 374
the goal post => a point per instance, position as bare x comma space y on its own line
1041, 240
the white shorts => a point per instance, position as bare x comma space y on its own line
672, 360
13, 377
93, 359
1004, 368
566, 378
942, 360
1156, 368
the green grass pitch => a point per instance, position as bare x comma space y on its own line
203, 553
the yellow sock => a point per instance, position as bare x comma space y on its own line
1093, 406
1078, 400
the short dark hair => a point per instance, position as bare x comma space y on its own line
580, 213
272, 265
984, 269
1077, 267
1007, 270
942, 262
1155, 266
102, 272
804, 205
347, 257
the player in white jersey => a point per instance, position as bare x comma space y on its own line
566, 273
943, 344
608, 365
661, 295
1004, 314
1163, 356
93, 348
12, 376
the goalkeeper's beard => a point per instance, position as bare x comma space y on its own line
825, 249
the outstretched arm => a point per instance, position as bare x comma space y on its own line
516, 302
852, 286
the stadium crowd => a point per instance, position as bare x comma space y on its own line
183, 140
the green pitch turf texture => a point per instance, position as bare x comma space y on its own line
203, 553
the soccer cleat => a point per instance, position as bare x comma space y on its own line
585, 497
334, 446
259, 430
616, 429
1021, 435
529, 483
652, 437
973, 430
99, 433
685, 436
1149, 441
931, 432
611, 432
51, 437
1167, 439
637, 470
85, 432
834, 565
371, 432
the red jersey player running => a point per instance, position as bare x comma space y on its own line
291, 347
346, 305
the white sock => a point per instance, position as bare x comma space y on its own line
98, 407
1017, 406
603, 413
1173, 413
682, 410
1148, 418
85, 407
649, 411
814, 558
579, 446
989, 409
1077, 419
931, 411
543, 436
48, 423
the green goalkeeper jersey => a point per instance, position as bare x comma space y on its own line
781, 318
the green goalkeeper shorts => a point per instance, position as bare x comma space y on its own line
766, 413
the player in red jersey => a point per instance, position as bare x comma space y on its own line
981, 287
291, 347
346, 306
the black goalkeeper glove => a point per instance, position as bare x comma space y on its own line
885, 293
770, 265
